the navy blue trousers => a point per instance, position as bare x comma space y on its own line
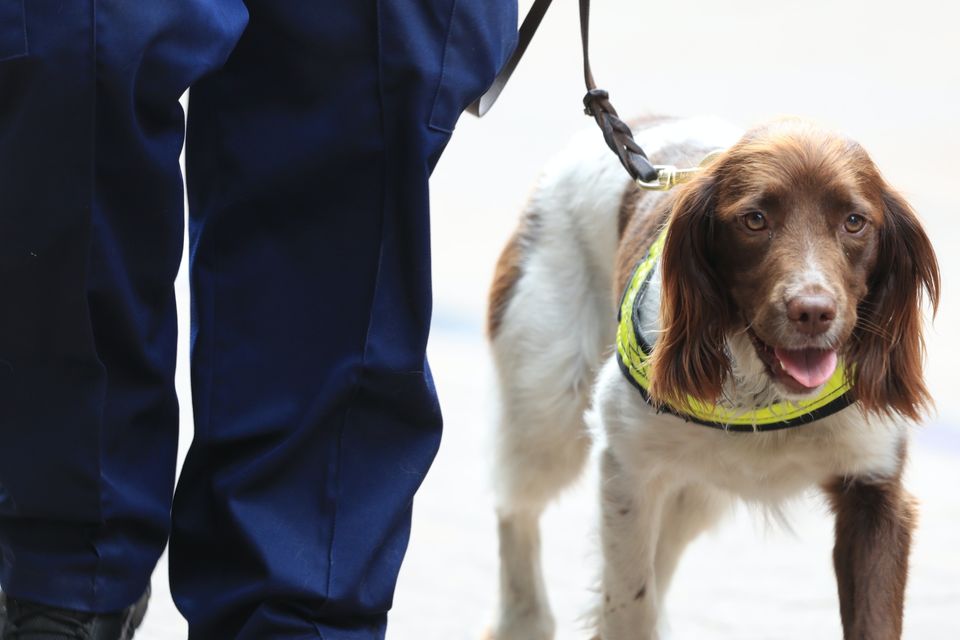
313, 128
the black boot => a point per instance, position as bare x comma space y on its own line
21, 620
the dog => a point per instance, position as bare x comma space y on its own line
749, 334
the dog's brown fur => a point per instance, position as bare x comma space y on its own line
508, 271
718, 275
875, 522
505, 277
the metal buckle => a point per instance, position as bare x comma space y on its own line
669, 176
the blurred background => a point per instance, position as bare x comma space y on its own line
888, 74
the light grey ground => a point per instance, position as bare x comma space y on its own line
887, 73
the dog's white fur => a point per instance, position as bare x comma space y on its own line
663, 481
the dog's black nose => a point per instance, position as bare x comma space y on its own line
811, 314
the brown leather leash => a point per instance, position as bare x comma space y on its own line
596, 102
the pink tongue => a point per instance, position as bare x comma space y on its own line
809, 367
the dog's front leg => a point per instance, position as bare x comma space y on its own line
875, 521
631, 508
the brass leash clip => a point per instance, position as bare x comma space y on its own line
669, 176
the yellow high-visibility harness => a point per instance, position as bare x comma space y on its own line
633, 354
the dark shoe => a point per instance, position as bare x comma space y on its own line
21, 620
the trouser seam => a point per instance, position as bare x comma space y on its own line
358, 384
98, 565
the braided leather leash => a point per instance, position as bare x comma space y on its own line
596, 102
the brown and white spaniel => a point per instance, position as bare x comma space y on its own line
786, 257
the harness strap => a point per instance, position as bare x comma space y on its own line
634, 352
596, 102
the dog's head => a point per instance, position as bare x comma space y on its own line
793, 239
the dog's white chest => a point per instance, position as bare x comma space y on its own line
766, 467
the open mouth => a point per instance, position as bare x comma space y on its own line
799, 370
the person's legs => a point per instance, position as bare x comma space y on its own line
90, 241
316, 419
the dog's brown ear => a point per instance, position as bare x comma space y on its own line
887, 348
690, 357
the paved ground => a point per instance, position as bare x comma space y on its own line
883, 71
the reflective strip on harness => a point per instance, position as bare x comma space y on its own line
633, 354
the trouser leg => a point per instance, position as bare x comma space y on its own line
307, 162
90, 241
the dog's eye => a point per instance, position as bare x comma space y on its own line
755, 221
854, 223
